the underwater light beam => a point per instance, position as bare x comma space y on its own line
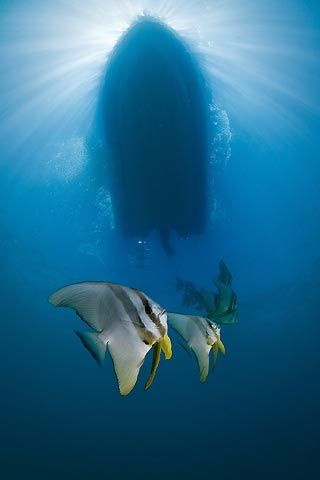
258, 55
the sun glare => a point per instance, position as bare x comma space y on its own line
259, 58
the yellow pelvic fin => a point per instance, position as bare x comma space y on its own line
221, 346
166, 347
215, 350
218, 345
155, 363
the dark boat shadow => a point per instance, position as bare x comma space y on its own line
151, 141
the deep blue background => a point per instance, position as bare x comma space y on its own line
257, 417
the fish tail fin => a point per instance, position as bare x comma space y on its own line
92, 342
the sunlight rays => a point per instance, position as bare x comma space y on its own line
260, 60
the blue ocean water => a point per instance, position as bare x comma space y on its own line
258, 415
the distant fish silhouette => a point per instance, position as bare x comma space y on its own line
220, 307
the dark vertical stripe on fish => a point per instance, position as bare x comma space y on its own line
150, 313
131, 310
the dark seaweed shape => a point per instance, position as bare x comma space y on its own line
220, 307
191, 295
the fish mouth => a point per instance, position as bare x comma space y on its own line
164, 311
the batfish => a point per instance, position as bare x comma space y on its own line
122, 318
201, 336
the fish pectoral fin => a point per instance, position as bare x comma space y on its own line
166, 347
155, 363
93, 343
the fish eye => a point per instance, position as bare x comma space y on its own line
148, 309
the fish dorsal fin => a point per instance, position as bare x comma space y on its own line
179, 323
224, 274
128, 352
88, 299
